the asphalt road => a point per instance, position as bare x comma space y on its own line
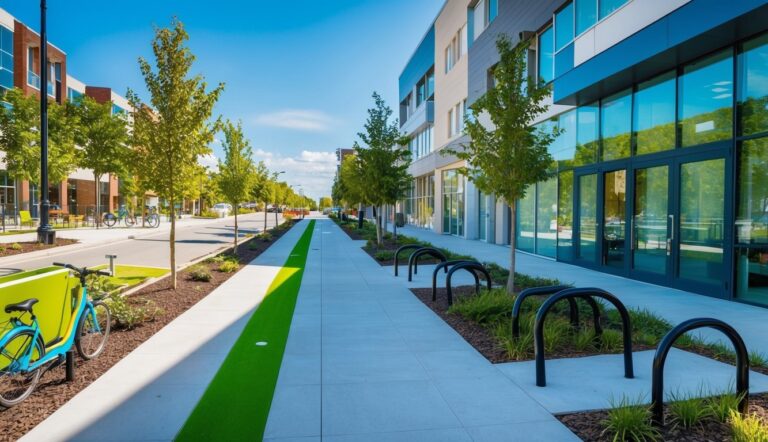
192, 241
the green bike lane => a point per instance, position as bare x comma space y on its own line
209, 374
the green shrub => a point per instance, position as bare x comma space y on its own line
229, 266
99, 286
687, 411
16, 246
2, 249
611, 341
128, 316
721, 406
265, 236
757, 359
584, 340
749, 428
384, 255
630, 421
199, 273
556, 333
208, 214
486, 308
516, 349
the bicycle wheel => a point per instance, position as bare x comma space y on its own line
109, 219
130, 221
17, 385
89, 340
153, 220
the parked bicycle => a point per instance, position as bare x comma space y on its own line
110, 219
24, 352
151, 218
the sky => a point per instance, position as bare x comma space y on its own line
298, 74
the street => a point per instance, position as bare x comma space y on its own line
193, 240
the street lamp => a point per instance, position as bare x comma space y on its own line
274, 178
45, 232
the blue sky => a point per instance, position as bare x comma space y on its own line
299, 77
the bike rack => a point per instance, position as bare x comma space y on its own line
541, 291
413, 261
405, 247
70, 366
445, 265
742, 363
588, 294
473, 268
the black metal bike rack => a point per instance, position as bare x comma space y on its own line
402, 248
446, 265
471, 267
541, 291
587, 294
742, 362
413, 261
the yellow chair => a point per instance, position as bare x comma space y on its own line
26, 218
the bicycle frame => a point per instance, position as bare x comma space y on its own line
60, 348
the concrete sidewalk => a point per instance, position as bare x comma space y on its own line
674, 305
150, 393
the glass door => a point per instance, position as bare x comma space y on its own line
586, 224
650, 222
482, 216
614, 219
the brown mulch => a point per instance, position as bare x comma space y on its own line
52, 391
589, 425
26, 247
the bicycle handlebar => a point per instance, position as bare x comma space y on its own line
84, 271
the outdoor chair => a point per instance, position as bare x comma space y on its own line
26, 218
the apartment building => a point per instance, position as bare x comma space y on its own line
20, 67
660, 169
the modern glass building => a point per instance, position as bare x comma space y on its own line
661, 171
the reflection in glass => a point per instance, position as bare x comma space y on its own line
453, 202
752, 213
586, 15
564, 27
546, 218
614, 218
706, 95
482, 216
526, 221
565, 216
753, 93
752, 274
563, 147
586, 134
588, 217
608, 6
651, 219
616, 125
702, 211
654, 116
546, 50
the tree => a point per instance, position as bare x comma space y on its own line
169, 137
260, 187
512, 155
384, 162
325, 203
236, 172
351, 183
102, 136
20, 138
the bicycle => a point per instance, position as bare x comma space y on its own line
152, 219
110, 219
24, 352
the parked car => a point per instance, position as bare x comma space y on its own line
273, 209
222, 209
249, 205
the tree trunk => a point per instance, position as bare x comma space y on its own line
512, 247
265, 216
360, 216
379, 236
97, 188
276, 210
235, 248
172, 241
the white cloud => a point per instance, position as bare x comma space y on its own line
307, 120
210, 161
312, 170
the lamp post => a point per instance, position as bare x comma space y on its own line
274, 178
45, 233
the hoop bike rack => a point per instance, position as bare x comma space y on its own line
402, 248
541, 291
471, 267
446, 265
588, 294
742, 362
413, 261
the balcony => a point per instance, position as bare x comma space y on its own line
33, 80
424, 114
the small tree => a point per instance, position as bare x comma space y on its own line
384, 161
236, 172
169, 137
512, 155
351, 182
325, 202
260, 190
102, 136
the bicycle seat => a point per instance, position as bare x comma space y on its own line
24, 306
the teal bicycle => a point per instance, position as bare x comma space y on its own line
24, 353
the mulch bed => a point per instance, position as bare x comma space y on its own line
52, 391
26, 247
588, 425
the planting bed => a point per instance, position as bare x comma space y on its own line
53, 391
25, 247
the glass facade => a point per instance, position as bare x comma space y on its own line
453, 202
546, 55
6, 58
563, 26
421, 143
586, 15
616, 125
753, 91
706, 100
608, 6
654, 115
525, 228
420, 202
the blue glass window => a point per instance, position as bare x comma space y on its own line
616, 125
608, 6
587, 134
705, 111
546, 55
493, 9
586, 14
654, 115
6, 58
564, 27
753, 92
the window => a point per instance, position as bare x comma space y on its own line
420, 92
451, 123
421, 143
654, 115
33, 79
616, 125
6, 58
608, 6
456, 49
420, 203
430, 84
546, 48
753, 90
448, 59
484, 12
73, 95
493, 10
525, 228
587, 134
706, 94
586, 15
752, 214
564, 27
565, 216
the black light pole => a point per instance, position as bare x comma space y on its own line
45, 233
